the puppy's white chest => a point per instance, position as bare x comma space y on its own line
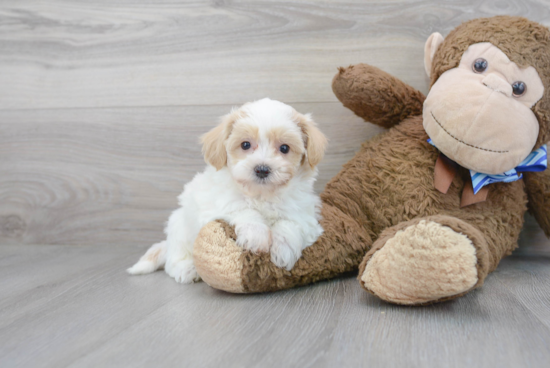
270, 211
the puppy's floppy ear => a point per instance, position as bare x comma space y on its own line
314, 140
213, 142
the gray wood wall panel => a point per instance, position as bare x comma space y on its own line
101, 102
87, 176
64, 54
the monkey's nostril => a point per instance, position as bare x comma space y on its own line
262, 171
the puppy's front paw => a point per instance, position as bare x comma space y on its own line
284, 254
254, 237
183, 271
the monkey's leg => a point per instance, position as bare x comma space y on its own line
427, 260
225, 266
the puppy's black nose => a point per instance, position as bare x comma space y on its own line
262, 171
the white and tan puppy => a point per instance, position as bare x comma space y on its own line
261, 168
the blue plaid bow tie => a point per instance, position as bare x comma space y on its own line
536, 161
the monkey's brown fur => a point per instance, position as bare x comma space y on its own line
388, 185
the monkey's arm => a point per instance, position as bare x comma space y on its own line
538, 191
375, 95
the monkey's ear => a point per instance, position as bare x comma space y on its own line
430, 48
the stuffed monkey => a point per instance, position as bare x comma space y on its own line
427, 209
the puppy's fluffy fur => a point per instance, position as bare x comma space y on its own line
265, 193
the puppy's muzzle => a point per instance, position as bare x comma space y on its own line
262, 171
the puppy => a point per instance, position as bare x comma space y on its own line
261, 168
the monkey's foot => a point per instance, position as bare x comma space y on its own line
421, 263
218, 258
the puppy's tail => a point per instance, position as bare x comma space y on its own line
151, 261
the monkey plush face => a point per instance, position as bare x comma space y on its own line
479, 113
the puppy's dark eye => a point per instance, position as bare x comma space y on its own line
245, 145
284, 148
480, 65
518, 88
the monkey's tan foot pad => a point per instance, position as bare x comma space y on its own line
222, 264
218, 258
420, 264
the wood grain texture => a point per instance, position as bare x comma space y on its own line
103, 53
101, 104
73, 306
111, 176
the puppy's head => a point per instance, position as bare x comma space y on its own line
264, 144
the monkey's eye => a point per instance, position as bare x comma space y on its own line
245, 145
284, 148
518, 88
480, 65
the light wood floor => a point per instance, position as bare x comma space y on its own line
101, 104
